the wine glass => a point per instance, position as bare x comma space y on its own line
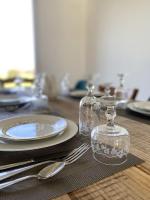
39, 85
110, 143
120, 92
88, 111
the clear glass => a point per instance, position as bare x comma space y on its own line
18, 81
89, 112
39, 85
121, 93
110, 143
65, 84
107, 89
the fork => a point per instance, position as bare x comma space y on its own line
72, 155
50, 170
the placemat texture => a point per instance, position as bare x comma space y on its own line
83, 172
80, 174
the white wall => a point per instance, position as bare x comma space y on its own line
60, 30
88, 36
119, 41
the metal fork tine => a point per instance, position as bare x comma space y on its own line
77, 154
75, 150
77, 157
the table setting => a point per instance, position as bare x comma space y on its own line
45, 155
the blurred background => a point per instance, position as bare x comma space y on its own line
76, 37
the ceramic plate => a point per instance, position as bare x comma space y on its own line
14, 99
133, 108
82, 93
32, 127
142, 105
70, 132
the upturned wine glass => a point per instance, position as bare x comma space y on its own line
110, 143
89, 111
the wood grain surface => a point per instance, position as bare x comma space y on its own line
130, 184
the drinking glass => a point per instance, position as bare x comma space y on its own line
110, 143
39, 85
89, 115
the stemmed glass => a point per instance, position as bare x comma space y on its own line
120, 92
88, 111
110, 143
39, 84
107, 89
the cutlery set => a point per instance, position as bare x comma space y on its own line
55, 167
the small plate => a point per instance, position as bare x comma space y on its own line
82, 93
142, 105
32, 127
133, 108
14, 99
69, 133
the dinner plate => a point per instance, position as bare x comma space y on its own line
133, 108
82, 93
70, 132
31, 127
142, 105
7, 91
14, 99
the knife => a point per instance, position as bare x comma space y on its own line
34, 160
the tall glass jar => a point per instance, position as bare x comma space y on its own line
89, 112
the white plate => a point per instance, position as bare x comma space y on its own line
131, 107
70, 132
14, 99
31, 127
82, 93
142, 105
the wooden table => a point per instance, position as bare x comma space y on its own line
130, 184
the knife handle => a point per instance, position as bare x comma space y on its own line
7, 174
17, 164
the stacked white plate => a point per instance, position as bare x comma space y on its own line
142, 107
14, 99
28, 132
82, 93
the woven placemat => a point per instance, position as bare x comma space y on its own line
80, 174
83, 172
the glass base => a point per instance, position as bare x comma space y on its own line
109, 161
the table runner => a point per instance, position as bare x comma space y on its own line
80, 174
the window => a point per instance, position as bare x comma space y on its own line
16, 38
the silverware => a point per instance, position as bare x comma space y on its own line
72, 154
50, 170
17, 164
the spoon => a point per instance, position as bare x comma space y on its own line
45, 173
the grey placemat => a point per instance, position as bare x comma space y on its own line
80, 174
